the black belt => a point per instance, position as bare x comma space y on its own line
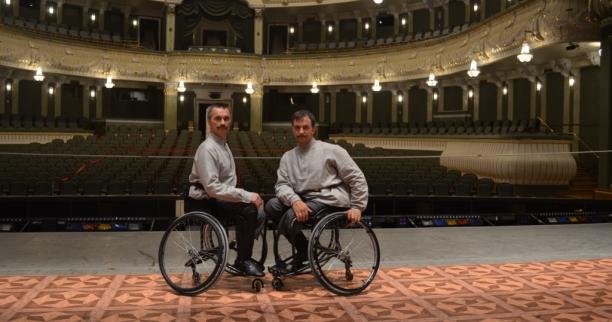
319, 190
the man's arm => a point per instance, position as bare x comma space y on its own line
208, 171
284, 188
350, 174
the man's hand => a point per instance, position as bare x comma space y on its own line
353, 215
256, 200
301, 210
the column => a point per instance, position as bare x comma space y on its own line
333, 105
127, 23
44, 99
432, 20
482, 9
468, 11
370, 106
430, 92
86, 100
533, 97
99, 106
15, 96
394, 106
476, 101
503, 4
15, 5
257, 108
500, 101
358, 105
410, 23
373, 25
566, 103
300, 28
543, 97
441, 99
170, 22
170, 111
604, 179
446, 13
322, 99
85, 24
576, 107
323, 30
57, 97
2, 94
396, 23
42, 12
405, 118
258, 35
102, 13
59, 11
510, 99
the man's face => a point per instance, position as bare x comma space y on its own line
303, 130
219, 122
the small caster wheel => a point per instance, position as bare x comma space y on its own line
349, 276
232, 245
196, 278
257, 285
277, 284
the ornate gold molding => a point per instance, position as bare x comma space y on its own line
493, 40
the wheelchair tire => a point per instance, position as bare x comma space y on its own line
193, 253
344, 258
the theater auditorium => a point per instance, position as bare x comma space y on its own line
483, 129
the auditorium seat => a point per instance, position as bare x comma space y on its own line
484, 187
504, 189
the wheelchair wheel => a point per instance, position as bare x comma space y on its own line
193, 253
344, 257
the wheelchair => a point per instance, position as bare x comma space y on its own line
195, 250
343, 256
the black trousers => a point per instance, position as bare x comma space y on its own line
286, 223
244, 215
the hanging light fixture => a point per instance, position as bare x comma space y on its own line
376, 87
244, 99
571, 81
109, 82
470, 93
538, 86
432, 82
39, 77
181, 87
364, 99
473, 71
378, 1
366, 26
435, 96
400, 98
525, 56
51, 90
505, 90
475, 7
92, 93
249, 89
314, 89
182, 98
8, 87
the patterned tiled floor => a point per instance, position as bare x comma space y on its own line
549, 291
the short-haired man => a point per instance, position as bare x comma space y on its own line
312, 176
213, 188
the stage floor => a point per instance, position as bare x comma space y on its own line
514, 273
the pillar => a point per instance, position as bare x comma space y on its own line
468, 11
323, 30
102, 13
533, 97
394, 106
482, 10
15, 5
370, 106
430, 92
476, 102
57, 97
396, 24
359, 28
42, 12
170, 109
441, 99
405, 118
127, 23
543, 97
86, 100
576, 107
333, 105
446, 14
257, 108
410, 23
2, 94
170, 22
99, 101
258, 34
500, 101
59, 12
604, 179
432, 20
510, 98
44, 99
15, 96
85, 24
358, 106
321, 96
300, 33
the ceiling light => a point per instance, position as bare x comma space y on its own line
400, 98
181, 87
109, 82
475, 7
134, 22
92, 93
244, 99
39, 77
93, 17
364, 98
249, 89
471, 93
292, 30
525, 56
314, 88
403, 21
538, 86
7, 2
51, 10
473, 71
51, 90
330, 28
435, 96
571, 81
432, 82
8, 87
505, 90
376, 87
367, 26
182, 98
378, 1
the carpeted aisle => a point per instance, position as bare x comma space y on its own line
540, 291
